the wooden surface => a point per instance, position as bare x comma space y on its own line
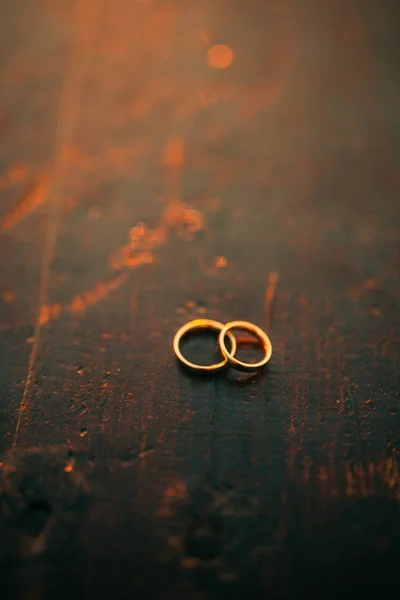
148, 176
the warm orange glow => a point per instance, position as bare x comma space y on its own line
95, 294
176, 490
174, 152
220, 57
82, 301
44, 314
144, 258
30, 201
68, 468
220, 262
178, 216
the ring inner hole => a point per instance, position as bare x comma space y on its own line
200, 346
250, 348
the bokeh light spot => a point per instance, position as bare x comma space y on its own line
220, 56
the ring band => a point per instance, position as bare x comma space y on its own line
203, 324
259, 333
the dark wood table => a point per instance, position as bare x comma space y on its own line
172, 159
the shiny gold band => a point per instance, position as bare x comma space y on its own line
259, 333
203, 324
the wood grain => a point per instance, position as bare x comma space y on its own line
164, 160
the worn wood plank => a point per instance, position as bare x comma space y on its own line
150, 176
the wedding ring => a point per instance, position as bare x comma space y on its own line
204, 324
259, 333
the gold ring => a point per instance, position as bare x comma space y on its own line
259, 333
202, 324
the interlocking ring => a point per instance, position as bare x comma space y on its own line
203, 324
259, 333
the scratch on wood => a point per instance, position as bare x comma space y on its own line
65, 128
32, 199
270, 291
82, 301
94, 295
177, 217
389, 472
356, 482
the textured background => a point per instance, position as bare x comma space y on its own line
162, 160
